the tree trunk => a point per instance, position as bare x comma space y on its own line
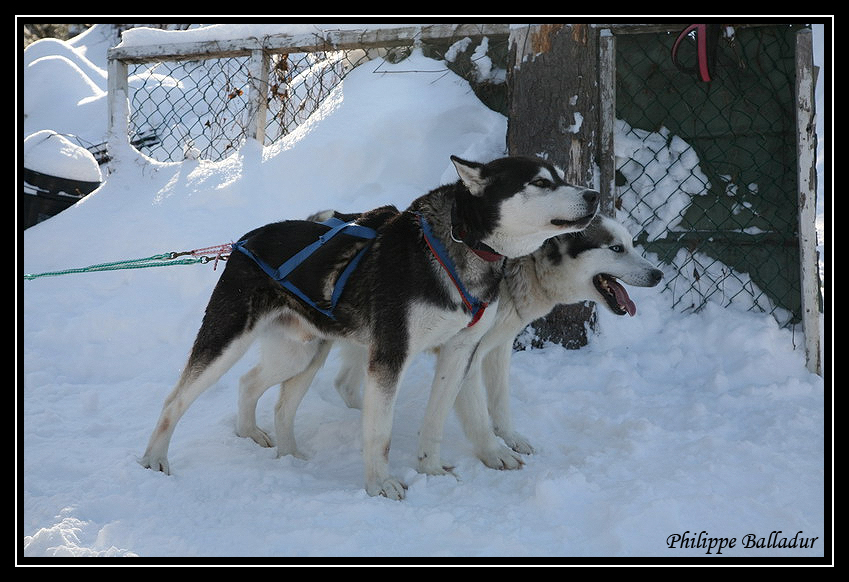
553, 99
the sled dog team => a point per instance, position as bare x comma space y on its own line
461, 271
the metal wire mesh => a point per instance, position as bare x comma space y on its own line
199, 109
707, 171
299, 83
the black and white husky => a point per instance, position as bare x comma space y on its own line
582, 266
424, 281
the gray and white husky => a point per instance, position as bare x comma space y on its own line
582, 266
423, 280
586, 266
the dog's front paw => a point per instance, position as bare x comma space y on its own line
155, 463
431, 465
519, 443
501, 458
390, 488
258, 435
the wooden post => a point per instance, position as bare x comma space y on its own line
553, 96
257, 93
553, 85
807, 181
607, 120
118, 123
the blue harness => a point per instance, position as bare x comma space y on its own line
281, 273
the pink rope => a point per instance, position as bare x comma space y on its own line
221, 252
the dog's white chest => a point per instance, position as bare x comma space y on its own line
431, 326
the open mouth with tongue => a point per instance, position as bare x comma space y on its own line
615, 294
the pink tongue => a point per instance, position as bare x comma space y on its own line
622, 297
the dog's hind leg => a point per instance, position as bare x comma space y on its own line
291, 393
251, 386
200, 373
229, 327
281, 358
351, 374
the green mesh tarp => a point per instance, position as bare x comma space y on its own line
735, 237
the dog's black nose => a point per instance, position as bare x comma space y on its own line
591, 196
656, 275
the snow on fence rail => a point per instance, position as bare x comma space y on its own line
256, 88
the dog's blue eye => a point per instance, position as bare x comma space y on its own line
617, 248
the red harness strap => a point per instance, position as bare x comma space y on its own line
472, 303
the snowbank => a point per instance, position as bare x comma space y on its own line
49, 153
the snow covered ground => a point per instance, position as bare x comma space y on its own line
704, 424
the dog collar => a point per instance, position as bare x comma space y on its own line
472, 303
481, 249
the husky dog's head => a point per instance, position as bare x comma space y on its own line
589, 265
521, 201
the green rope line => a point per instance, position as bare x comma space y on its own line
154, 261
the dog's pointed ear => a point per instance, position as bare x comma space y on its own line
471, 175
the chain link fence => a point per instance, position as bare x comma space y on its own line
199, 109
706, 172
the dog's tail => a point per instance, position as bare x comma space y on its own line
328, 214
375, 218
322, 216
